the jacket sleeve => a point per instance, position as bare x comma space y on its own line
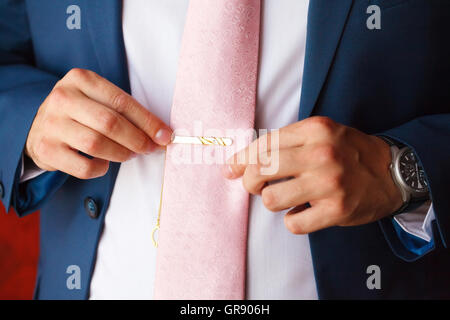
429, 137
23, 88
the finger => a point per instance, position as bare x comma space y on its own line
313, 129
284, 138
314, 184
283, 163
32, 156
106, 93
109, 123
305, 219
291, 193
41, 165
65, 159
93, 143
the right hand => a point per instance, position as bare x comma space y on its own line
87, 113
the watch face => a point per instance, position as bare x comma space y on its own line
412, 173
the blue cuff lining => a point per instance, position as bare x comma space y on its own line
30, 195
411, 242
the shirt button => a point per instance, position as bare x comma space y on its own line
91, 207
2, 190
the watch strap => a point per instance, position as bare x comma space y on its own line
402, 209
391, 142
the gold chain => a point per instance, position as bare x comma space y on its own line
158, 219
220, 141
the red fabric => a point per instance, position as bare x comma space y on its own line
19, 250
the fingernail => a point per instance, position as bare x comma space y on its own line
228, 172
163, 136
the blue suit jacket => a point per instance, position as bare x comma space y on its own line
393, 81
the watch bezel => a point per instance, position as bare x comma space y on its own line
413, 192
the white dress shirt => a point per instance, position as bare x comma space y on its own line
279, 263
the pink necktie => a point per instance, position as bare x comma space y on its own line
203, 237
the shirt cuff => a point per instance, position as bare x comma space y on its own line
418, 222
29, 170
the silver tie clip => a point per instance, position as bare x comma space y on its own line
211, 141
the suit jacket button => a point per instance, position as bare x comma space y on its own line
91, 207
2, 191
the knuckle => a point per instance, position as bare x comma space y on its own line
292, 226
42, 149
60, 83
92, 143
269, 199
58, 96
322, 122
120, 102
337, 181
327, 153
108, 121
78, 74
50, 123
141, 143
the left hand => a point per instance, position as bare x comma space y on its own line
342, 173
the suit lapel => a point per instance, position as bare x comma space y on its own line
104, 20
326, 22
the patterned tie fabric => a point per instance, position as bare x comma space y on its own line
203, 237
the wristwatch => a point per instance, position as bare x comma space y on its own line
408, 174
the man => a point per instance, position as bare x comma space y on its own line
363, 219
